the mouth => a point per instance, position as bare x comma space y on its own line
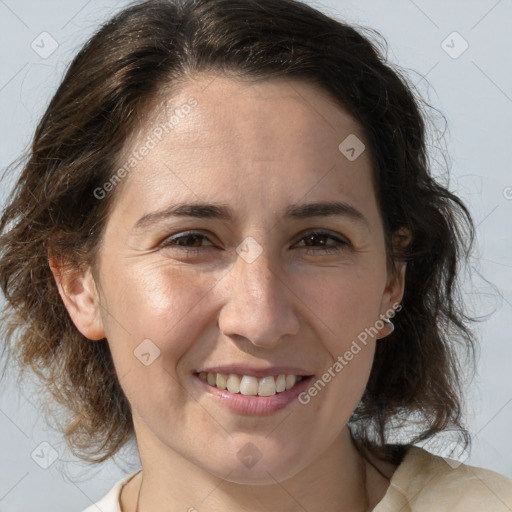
249, 385
249, 391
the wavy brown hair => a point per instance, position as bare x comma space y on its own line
149, 50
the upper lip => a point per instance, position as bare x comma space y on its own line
259, 373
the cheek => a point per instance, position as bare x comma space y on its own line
345, 312
343, 303
158, 303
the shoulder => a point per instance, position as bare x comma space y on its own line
110, 502
425, 482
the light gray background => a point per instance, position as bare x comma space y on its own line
474, 91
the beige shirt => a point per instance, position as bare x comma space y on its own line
421, 483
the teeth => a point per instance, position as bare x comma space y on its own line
267, 386
221, 381
233, 384
290, 381
280, 383
251, 386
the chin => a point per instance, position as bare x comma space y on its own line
253, 466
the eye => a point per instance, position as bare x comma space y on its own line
190, 241
319, 239
316, 242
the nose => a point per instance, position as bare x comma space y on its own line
259, 305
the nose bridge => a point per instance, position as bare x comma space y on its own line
254, 269
259, 306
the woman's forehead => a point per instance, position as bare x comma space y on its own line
235, 135
225, 107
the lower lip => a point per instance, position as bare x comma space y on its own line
255, 405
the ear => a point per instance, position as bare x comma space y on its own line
395, 286
79, 293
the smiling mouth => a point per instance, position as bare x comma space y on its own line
249, 385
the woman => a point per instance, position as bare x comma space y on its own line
227, 245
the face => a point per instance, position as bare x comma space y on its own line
252, 283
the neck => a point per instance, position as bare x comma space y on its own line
334, 482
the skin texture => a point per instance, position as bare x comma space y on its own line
257, 148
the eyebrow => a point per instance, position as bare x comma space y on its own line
223, 212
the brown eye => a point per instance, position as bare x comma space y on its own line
190, 241
319, 240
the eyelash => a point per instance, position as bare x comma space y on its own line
341, 244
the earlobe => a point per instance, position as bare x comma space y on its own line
79, 293
395, 287
391, 301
